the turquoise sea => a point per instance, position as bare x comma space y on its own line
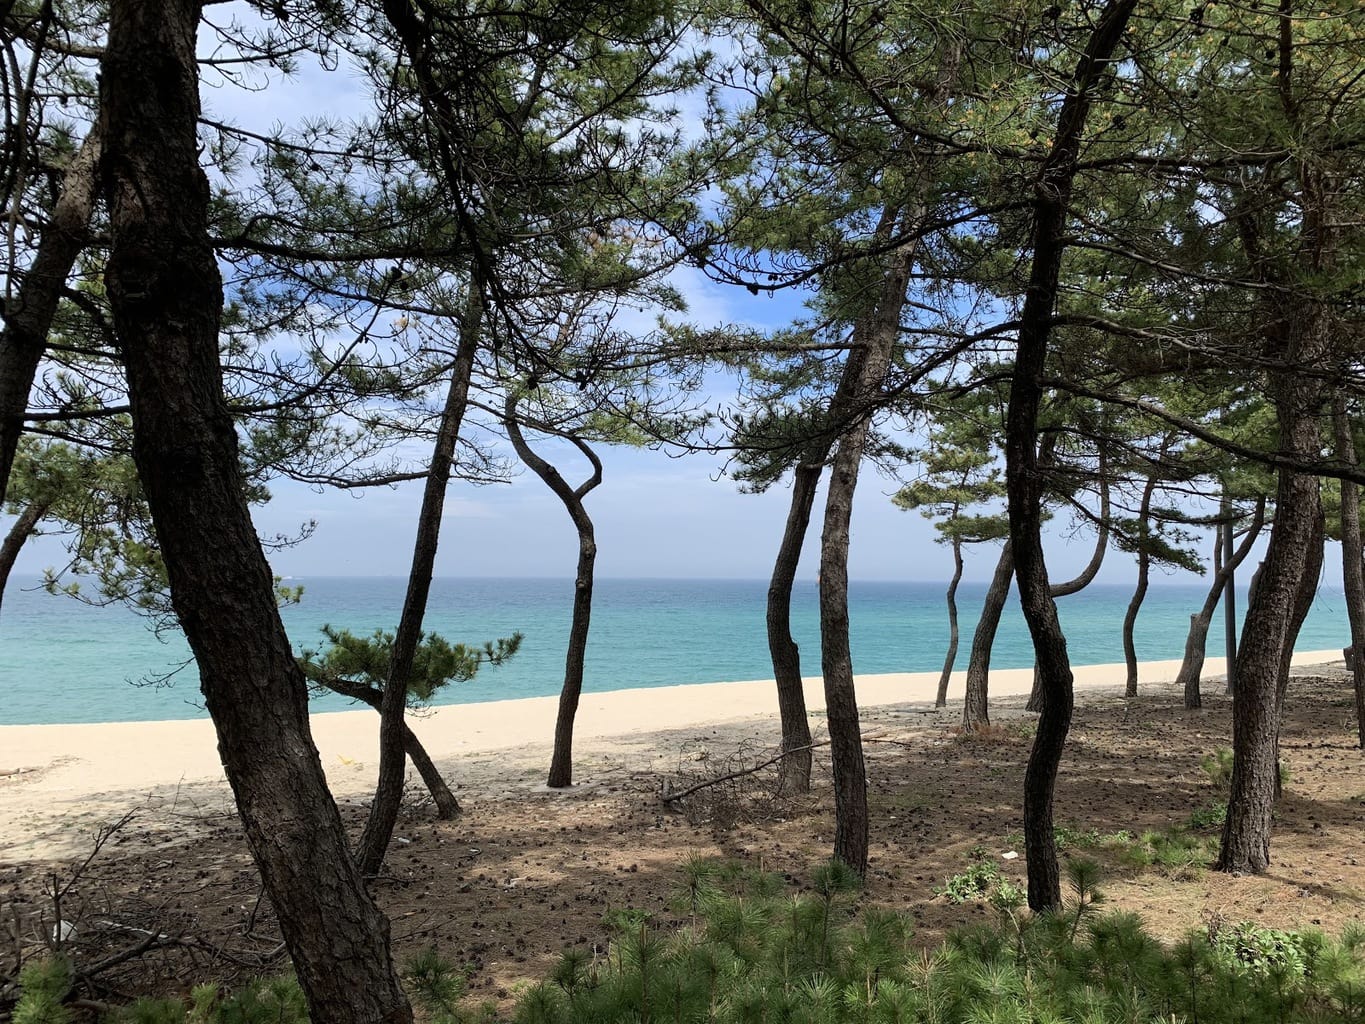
62, 661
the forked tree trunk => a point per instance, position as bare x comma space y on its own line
976, 704
388, 794
942, 698
28, 317
1192, 667
1144, 567
447, 807
794, 774
1303, 604
1352, 555
561, 760
1052, 192
166, 296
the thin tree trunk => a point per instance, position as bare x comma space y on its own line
561, 761
1144, 567
1053, 195
975, 706
1195, 643
878, 337
20, 531
1303, 604
447, 807
794, 774
166, 296
388, 794
953, 635
1352, 559
28, 318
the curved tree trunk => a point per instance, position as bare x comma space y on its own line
942, 698
794, 775
561, 761
20, 531
447, 807
1196, 641
1352, 559
1052, 193
166, 296
1140, 591
975, 706
388, 794
1303, 604
28, 318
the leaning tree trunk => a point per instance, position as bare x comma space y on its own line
166, 297
388, 794
561, 761
975, 705
1352, 559
878, 336
20, 531
1303, 604
794, 775
953, 634
447, 807
28, 317
1197, 640
1144, 567
1086, 577
1052, 195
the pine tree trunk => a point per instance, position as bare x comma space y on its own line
447, 807
953, 635
794, 775
1303, 604
1140, 591
1352, 559
975, 706
388, 794
1196, 642
28, 316
20, 530
166, 296
1052, 193
561, 760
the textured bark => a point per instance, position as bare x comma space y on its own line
953, 633
166, 296
1303, 603
1193, 664
794, 774
877, 337
20, 531
388, 794
561, 761
975, 706
1352, 555
28, 318
1052, 197
1144, 567
447, 806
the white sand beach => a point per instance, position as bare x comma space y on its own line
57, 782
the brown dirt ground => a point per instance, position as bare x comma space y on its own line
524, 873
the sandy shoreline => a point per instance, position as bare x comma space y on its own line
60, 780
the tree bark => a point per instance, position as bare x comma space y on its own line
1195, 643
561, 760
794, 773
447, 806
1352, 559
29, 317
975, 706
166, 296
388, 795
1303, 604
1024, 482
953, 635
1144, 568
20, 531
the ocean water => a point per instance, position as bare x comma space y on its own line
62, 661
